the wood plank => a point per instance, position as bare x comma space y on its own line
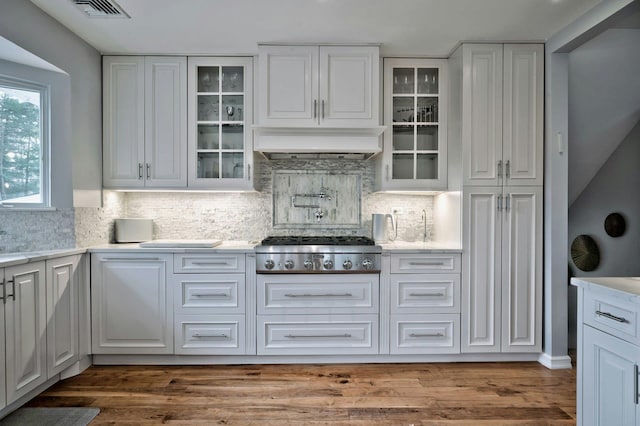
342, 394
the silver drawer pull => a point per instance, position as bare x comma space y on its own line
426, 263
204, 336
426, 294
610, 316
426, 335
210, 263
210, 295
317, 336
318, 295
130, 259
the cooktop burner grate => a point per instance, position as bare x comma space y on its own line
318, 241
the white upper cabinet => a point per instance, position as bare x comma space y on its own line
220, 117
319, 86
144, 122
415, 112
502, 107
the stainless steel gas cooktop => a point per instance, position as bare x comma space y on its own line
321, 254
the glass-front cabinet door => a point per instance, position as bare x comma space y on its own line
415, 115
220, 119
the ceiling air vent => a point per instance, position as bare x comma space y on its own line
101, 8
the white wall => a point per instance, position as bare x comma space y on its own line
24, 24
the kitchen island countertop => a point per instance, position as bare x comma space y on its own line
621, 285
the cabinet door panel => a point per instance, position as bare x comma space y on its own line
123, 121
522, 270
608, 386
62, 313
25, 330
481, 271
346, 85
482, 114
288, 85
132, 309
523, 110
165, 122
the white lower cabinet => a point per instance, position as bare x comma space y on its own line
25, 328
333, 314
425, 303
132, 311
608, 373
209, 304
63, 282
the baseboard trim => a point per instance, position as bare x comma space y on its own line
555, 362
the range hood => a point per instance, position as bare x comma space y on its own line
321, 142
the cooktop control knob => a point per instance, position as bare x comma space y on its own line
288, 264
308, 264
367, 263
269, 264
328, 264
347, 264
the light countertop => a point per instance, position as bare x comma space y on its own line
628, 285
419, 246
12, 259
241, 246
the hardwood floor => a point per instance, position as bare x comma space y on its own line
331, 394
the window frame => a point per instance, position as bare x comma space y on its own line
45, 142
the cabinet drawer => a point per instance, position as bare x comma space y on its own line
421, 263
334, 294
425, 334
210, 334
205, 262
425, 293
209, 293
317, 334
612, 315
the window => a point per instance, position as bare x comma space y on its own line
24, 144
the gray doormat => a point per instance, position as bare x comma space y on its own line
54, 416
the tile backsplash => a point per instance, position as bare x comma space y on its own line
22, 231
248, 215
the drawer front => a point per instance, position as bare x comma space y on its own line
205, 263
425, 293
425, 334
317, 334
425, 263
611, 315
209, 293
210, 334
308, 294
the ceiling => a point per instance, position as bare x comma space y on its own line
403, 27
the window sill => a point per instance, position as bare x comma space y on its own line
26, 209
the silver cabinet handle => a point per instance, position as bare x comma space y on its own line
507, 169
210, 263
130, 259
210, 295
317, 336
427, 294
13, 289
318, 295
426, 335
248, 171
499, 168
499, 203
611, 316
323, 109
508, 203
4, 291
148, 171
315, 108
139, 170
636, 373
426, 263
204, 336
